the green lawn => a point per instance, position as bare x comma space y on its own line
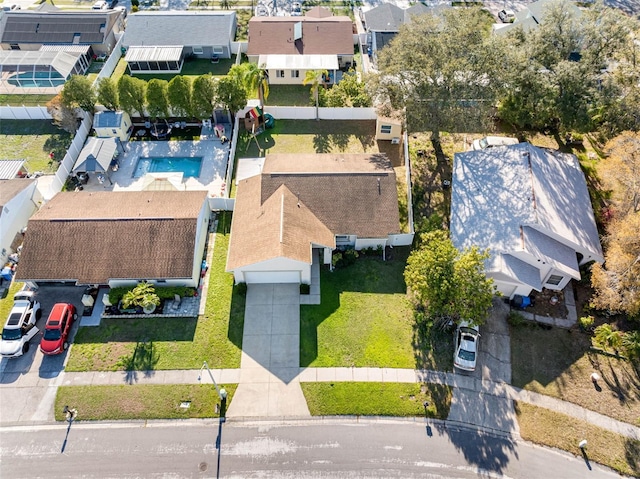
194, 68
552, 429
7, 302
119, 70
25, 100
289, 95
154, 343
364, 320
310, 136
559, 364
162, 401
33, 140
377, 399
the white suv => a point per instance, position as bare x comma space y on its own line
100, 5
21, 325
489, 141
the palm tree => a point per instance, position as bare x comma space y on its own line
256, 78
608, 337
313, 77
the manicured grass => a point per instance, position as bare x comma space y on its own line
161, 401
365, 318
289, 95
295, 136
119, 70
553, 429
154, 343
25, 100
7, 303
194, 68
33, 140
377, 399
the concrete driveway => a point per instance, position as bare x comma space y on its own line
28, 383
270, 364
494, 365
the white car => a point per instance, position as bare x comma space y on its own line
466, 346
490, 141
506, 16
100, 5
21, 325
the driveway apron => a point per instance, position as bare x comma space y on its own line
473, 401
270, 364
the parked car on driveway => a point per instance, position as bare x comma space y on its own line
466, 346
491, 141
506, 16
55, 339
21, 325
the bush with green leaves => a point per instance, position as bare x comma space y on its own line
143, 295
163, 292
586, 322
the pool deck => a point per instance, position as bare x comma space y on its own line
214, 155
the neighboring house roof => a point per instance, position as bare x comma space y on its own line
523, 198
188, 28
9, 169
319, 12
382, 39
98, 236
389, 18
96, 154
303, 199
108, 119
9, 189
57, 26
320, 36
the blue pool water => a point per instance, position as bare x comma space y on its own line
37, 79
189, 166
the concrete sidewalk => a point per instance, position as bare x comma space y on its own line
472, 385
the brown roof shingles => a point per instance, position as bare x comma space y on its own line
94, 237
320, 36
346, 194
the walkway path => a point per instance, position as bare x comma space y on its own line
489, 389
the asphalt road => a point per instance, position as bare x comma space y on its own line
309, 449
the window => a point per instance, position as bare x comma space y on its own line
197, 50
218, 50
386, 129
279, 73
76, 38
342, 238
102, 27
555, 280
295, 73
14, 46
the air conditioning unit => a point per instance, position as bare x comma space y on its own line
395, 141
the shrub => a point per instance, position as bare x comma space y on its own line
241, 288
163, 292
631, 344
336, 259
607, 337
305, 288
143, 295
349, 257
586, 322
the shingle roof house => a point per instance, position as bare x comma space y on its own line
288, 46
169, 36
530, 207
30, 29
117, 238
302, 202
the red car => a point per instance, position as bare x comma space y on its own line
56, 332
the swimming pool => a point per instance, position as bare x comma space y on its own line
189, 166
37, 79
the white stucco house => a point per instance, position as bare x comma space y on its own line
301, 207
530, 208
117, 238
19, 199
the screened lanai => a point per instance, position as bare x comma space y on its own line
40, 69
155, 59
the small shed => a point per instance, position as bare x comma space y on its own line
96, 156
113, 124
388, 129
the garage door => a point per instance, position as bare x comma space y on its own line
272, 276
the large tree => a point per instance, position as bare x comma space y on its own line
314, 78
108, 93
620, 172
449, 284
180, 96
158, 97
231, 94
131, 93
441, 70
204, 94
255, 79
78, 93
348, 92
62, 115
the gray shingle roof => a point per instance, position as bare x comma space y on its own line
187, 28
40, 27
389, 18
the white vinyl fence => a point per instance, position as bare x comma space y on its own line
324, 113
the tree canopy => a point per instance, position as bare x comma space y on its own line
204, 94
180, 95
108, 93
448, 284
78, 93
231, 94
157, 97
348, 92
131, 93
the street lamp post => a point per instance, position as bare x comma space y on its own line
221, 391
